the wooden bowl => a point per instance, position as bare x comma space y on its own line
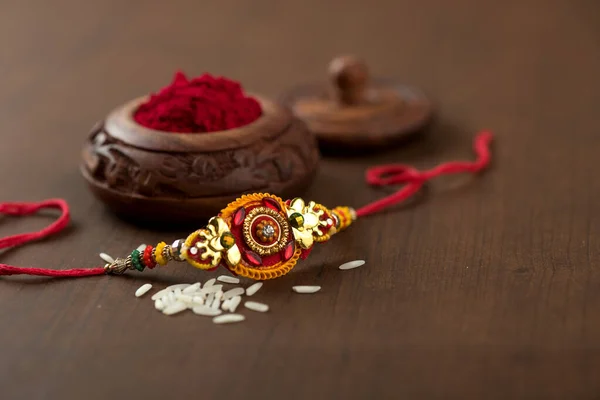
181, 177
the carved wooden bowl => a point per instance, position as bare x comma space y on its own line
163, 176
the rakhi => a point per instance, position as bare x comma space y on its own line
258, 236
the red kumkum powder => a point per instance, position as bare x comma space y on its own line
202, 104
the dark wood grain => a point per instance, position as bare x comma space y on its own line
485, 287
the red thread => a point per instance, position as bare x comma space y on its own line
203, 104
413, 179
65, 273
22, 209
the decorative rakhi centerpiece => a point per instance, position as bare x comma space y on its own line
258, 236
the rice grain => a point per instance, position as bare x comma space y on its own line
252, 289
256, 306
210, 282
211, 289
107, 258
142, 290
175, 308
160, 294
306, 289
352, 264
208, 301
228, 318
233, 292
166, 300
206, 311
178, 286
235, 302
184, 298
226, 304
192, 288
228, 279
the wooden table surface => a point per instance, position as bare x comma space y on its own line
487, 288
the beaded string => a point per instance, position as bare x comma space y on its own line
149, 256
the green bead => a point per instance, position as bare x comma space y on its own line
135, 260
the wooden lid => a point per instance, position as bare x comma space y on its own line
355, 111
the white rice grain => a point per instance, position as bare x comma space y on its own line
158, 304
206, 311
211, 289
225, 305
238, 291
216, 304
219, 295
235, 302
184, 298
198, 300
191, 289
306, 289
166, 300
179, 286
352, 264
172, 298
161, 293
210, 282
209, 299
256, 306
175, 308
142, 290
107, 258
228, 318
228, 279
252, 289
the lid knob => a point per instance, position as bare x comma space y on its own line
349, 77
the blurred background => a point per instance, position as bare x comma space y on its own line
485, 64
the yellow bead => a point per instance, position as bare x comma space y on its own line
158, 253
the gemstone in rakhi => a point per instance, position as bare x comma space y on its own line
268, 230
253, 258
238, 217
271, 203
297, 220
288, 252
227, 240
